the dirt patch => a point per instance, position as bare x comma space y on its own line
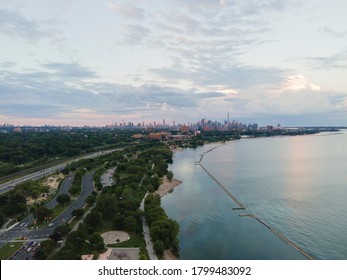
52, 182
114, 237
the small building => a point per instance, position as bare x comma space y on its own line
184, 129
137, 136
154, 136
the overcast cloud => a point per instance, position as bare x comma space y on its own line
99, 62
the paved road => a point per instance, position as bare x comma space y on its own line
20, 229
16, 231
87, 189
5, 187
64, 189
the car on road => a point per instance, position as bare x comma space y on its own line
51, 224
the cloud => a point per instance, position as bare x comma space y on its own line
15, 24
69, 70
234, 76
134, 34
327, 31
26, 96
126, 10
299, 82
32, 95
7, 64
334, 61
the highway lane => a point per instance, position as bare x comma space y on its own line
5, 187
33, 176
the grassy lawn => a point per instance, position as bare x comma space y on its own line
9, 249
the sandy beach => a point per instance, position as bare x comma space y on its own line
167, 186
168, 255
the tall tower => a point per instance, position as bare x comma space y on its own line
228, 118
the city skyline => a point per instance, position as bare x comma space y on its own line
99, 62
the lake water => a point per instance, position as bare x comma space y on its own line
297, 185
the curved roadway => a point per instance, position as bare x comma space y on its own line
17, 231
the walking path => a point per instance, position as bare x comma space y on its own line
146, 232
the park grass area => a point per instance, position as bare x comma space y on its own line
135, 241
9, 249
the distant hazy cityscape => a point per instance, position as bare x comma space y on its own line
201, 125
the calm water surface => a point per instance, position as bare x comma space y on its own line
297, 185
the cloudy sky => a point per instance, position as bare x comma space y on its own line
95, 62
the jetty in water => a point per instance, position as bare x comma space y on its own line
241, 207
239, 204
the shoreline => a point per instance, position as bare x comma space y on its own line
167, 186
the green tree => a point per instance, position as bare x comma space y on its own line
118, 222
90, 200
158, 247
165, 230
16, 203
155, 182
97, 241
77, 212
46, 248
169, 175
43, 213
67, 254
93, 219
106, 204
63, 230
63, 199
2, 218
76, 240
130, 223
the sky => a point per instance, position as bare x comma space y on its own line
94, 62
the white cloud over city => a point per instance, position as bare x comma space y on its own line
99, 62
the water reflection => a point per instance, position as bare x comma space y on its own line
296, 184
